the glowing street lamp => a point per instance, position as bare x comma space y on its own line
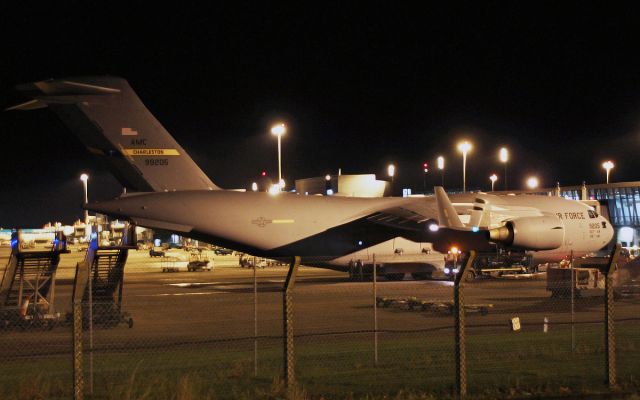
391, 171
279, 130
84, 178
504, 158
464, 148
493, 178
532, 182
608, 165
441, 168
254, 186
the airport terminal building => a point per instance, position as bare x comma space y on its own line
622, 202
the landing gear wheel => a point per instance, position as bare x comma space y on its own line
130, 323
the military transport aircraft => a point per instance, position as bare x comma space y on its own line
171, 192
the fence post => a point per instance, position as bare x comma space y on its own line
609, 331
287, 310
255, 317
458, 296
78, 381
375, 313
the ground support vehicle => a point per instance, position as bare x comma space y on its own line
156, 252
170, 264
198, 262
494, 265
223, 252
588, 274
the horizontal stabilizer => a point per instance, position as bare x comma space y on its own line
62, 87
28, 106
109, 118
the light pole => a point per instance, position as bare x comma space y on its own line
464, 148
84, 178
493, 178
608, 165
532, 182
441, 168
504, 158
279, 130
425, 169
391, 171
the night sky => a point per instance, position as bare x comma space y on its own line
359, 85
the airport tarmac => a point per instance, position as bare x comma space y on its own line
179, 307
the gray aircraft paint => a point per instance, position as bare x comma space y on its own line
110, 119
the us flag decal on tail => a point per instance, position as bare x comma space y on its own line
129, 132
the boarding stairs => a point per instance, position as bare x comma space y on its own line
100, 279
27, 291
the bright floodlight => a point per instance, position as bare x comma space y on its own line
504, 155
434, 227
440, 162
391, 170
84, 177
254, 186
274, 189
493, 178
464, 147
279, 129
532, 182
327, 177
608, 165
281, 184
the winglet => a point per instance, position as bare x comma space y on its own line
446, 213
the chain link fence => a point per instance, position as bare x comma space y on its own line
220, 334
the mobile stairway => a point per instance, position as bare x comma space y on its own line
27, 291
100, 281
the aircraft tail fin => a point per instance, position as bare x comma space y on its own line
448, 217
113, 123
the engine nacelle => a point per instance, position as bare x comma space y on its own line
530, 233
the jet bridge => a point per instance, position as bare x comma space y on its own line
27, 291
99, 280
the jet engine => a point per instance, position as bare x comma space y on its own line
531, 233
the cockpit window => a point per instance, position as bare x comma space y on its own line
592, 214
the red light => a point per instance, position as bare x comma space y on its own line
425, 165
264, 173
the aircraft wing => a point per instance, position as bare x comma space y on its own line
419, 220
